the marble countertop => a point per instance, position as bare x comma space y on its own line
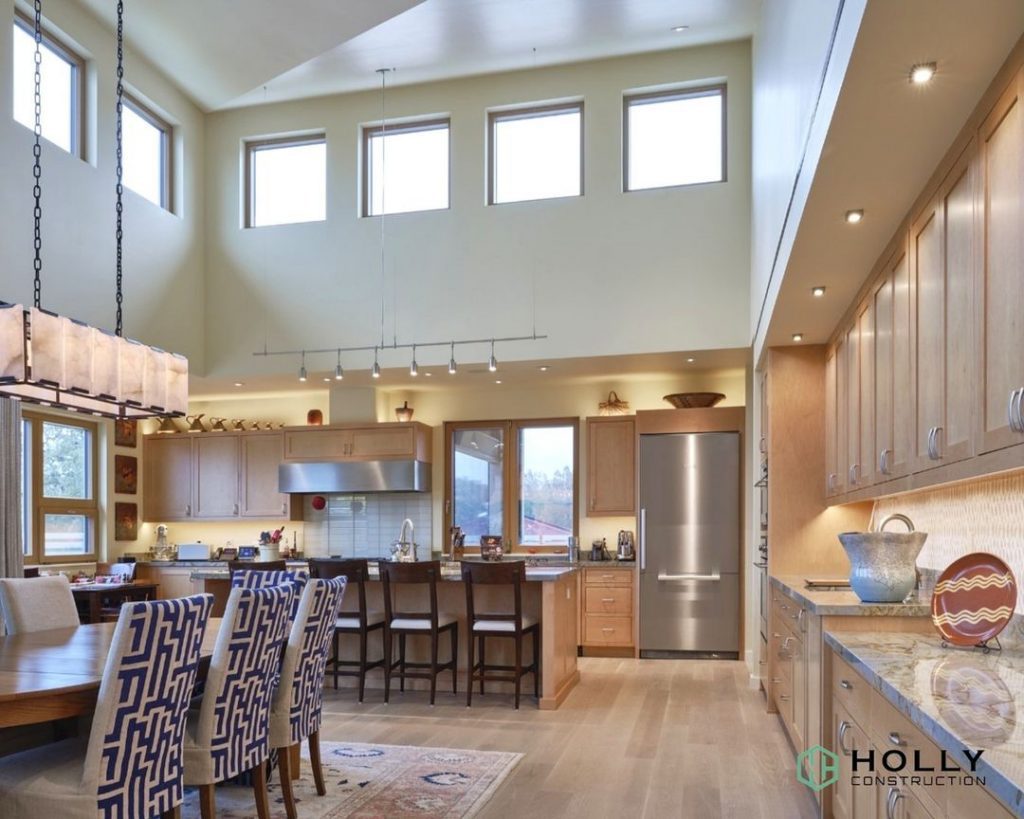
533, 573
959, 698
844, 602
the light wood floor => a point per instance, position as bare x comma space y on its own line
636, 738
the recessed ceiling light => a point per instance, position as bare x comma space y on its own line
818, 291
543, 368
854, 216
690, 360
327, 379
798, 337
427, 375
497, 381
922, 73
680, 29
239, 384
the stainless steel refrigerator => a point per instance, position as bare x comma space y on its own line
689, 554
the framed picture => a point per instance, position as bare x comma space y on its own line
491, 547
126, 432
126, 474
126, 521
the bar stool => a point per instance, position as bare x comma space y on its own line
514, 625
404, 623
361, 624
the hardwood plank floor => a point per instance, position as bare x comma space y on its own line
636, 738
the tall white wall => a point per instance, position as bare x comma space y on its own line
163, 251
613, 272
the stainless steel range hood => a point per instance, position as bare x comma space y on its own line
353, 477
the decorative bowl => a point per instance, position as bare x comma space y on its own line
694, 400
883, 565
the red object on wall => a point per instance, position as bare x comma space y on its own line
314, 418
319, 503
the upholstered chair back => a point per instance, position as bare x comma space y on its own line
133, 762
297, 704
232, 729
37, 604
262, 579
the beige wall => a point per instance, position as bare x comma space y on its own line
615, 273
163, 251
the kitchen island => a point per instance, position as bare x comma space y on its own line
549, 595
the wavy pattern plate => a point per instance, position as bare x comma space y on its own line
973, 599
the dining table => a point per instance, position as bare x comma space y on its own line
53, 674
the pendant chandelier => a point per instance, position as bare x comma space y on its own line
61, 362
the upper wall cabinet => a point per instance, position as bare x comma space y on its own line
1000, 285
925, 378
611, 466
374, 442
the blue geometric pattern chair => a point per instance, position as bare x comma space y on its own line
229, 733
262, 579
131, 765
296, 712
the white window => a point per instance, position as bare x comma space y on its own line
147, 157
60, 86
536, 153
674, 138
287, 181
405, 167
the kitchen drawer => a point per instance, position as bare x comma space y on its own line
782, 689
781, 659
903, 803
851, 690
607, 630
608, 577
892, 731
608, 600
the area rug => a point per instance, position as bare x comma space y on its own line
378, 781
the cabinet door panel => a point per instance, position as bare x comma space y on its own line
215, 476
842, 417
167, 488
930, 324
383, 442
882, 387
903, 386
1000, 293
611, 467
831, 427
261, 456
867, 457
853, 465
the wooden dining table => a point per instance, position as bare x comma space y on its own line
53, 674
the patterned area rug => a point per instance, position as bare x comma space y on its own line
378, 781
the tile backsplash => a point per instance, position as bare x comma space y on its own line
366, 525
986, 515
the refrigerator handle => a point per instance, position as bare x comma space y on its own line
643, 539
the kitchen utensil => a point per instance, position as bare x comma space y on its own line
613, 406
882, 564
694, 400
404, 413
491, 547
626, 546
974, 599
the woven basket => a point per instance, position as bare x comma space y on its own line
613, 406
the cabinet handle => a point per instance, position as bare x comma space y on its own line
607, 599
236, 508
284, 508
784, 697
895, 795
883, 461
188, 508
776, 680
846, 684
931, 444
935, 440
607, 629
832, 481
1017, 414
853, 474
1011, 412
844, 726
896, 739
763, 445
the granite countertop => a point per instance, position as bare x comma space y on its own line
533, 574
960, 698
844, 602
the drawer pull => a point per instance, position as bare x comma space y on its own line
776, 680
896, 739
607, 629
844, 726
784, 697
846, 684
895, 795
607, 599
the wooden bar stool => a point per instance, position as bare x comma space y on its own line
360, 622
403, 623
514, 625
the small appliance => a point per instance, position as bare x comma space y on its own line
193, 551
599, 550
626, 546
247, 552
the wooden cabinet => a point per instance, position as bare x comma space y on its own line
359, 443
167, 478
852, 393
832, 486
259, 498
607, 610
999, 294
215, 476
866, 472
172, 581
611, 466
850, 801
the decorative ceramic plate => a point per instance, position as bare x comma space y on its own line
974, 599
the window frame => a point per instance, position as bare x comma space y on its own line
77, 63
668, 95
512, 488
494, 116
41, 506
252, 146
408, 126
166, 143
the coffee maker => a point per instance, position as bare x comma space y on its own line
626, 546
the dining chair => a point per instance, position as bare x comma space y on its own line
37, 604
296, 711
228, 734
247, 578
359, 622
401, 623
131, 764
514, 625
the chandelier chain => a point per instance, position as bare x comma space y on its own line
119, 139
37, 171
